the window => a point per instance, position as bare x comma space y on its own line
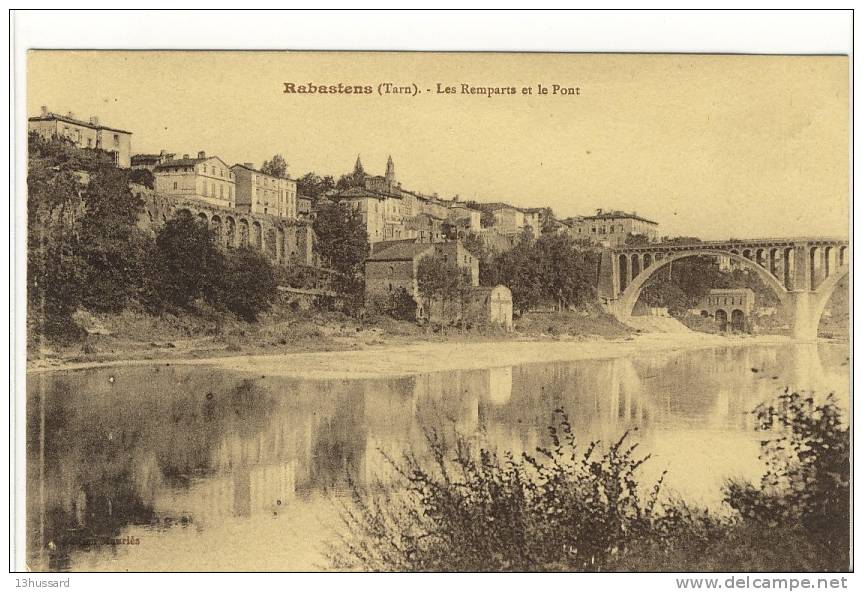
221, 192
116, 139
175, 184
89, 142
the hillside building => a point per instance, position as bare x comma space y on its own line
260, 193
612, 228
205, 178
84, 134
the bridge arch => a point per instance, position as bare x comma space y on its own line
231, 231
628, 298
721, 317
824, 292
216, 227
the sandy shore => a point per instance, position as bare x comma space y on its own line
420, 357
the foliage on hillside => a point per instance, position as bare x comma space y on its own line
344, 245
85, 249
554, 269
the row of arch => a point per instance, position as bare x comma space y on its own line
781, 262
736, 321
235, 232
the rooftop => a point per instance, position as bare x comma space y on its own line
180, 162
406, 250
248, 166
66, 118
187, 161
362, 192
615, 214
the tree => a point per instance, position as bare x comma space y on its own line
400, 305
547, 221
83, 244
344, 245
276, 167
142, 177
248, 285
313, 186
114, 250
520, 270
569, 273
486, 219
187, 263
636, 240
438, 280
342, 238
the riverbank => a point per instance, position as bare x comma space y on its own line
409, 357
136, 336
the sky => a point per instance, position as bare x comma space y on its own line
709, 146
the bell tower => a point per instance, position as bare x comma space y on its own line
391, 172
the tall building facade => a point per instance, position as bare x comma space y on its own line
260, 193
206, 178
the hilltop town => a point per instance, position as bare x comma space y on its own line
365, 247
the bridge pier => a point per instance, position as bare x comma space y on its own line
799, 311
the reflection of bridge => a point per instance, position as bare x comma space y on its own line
802, 272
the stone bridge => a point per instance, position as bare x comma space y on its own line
283, 241
802, 272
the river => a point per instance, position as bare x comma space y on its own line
167, 467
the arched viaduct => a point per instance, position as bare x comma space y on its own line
802, 272
282, 241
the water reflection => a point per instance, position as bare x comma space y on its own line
190, 468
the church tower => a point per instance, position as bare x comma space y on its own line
391, 172
358, 167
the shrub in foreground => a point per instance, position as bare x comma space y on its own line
472, 510
572, 509
806, 487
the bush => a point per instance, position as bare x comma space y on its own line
187, 263
248, 284
807, 482
582, 510
564, 509
142, 177
398, 304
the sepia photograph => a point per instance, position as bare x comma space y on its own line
435, 311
